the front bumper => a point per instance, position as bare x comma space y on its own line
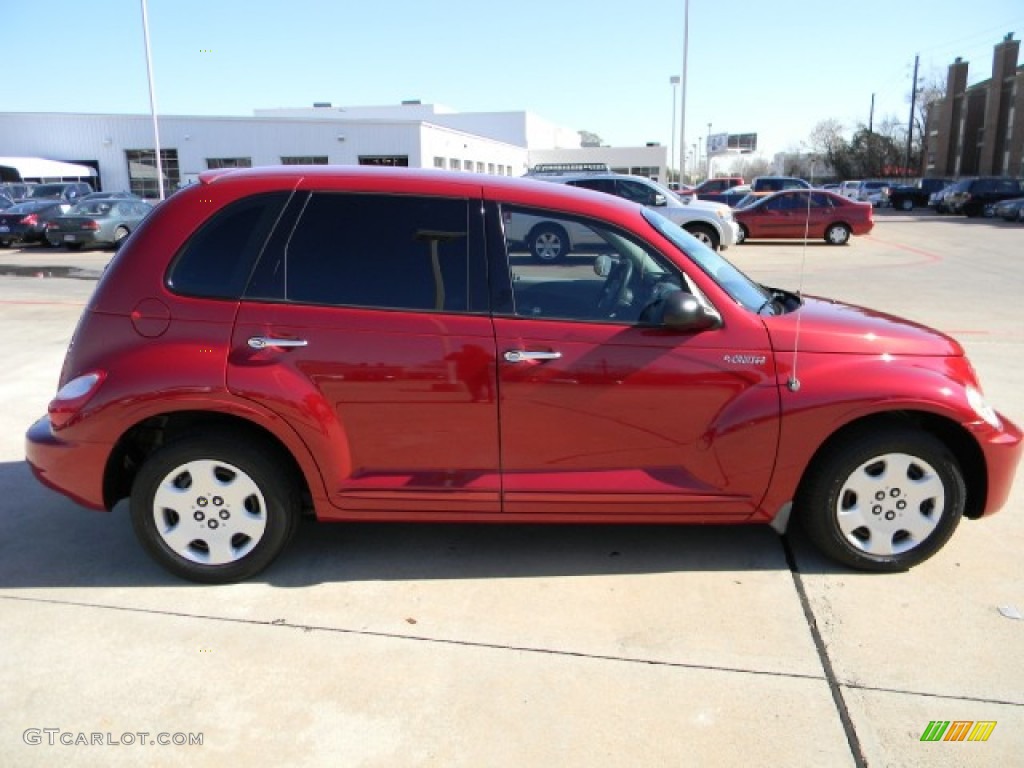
1002, 449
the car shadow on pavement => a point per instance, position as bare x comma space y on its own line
49, 541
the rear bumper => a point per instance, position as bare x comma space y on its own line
84, 238
80, 467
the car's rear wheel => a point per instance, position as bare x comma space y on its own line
882, 500
743, 235
73, 246
705, 234
214, 508
837, 234
548, 243
906, 204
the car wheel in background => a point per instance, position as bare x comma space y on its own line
705, 234
214, 508
906, 204
548, 243
882, 499
119, 235
837, 234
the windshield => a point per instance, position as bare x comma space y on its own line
47, 190
741, 288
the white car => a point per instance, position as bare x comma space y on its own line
711, 223
849, 189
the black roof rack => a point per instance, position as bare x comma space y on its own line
555, 168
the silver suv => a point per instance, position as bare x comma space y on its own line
711, 223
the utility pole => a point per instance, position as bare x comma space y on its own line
910, 123
682, 109
871, 115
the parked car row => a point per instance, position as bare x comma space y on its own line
976, 196
52, 221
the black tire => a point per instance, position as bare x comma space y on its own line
925, 478
706, 234
744, 234
906, 204
119, 236
548, 243
73, 246
242, 512
837, 234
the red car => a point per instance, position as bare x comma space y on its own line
799, 213
368, 344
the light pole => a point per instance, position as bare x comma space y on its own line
152, 101
682, 107
709, 150
674, 80
698, 167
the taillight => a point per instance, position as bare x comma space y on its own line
52, 225
72, 397
90, 224
30, 220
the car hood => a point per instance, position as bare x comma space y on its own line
703, 205
830, 326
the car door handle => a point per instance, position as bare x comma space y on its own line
522, 355
262, 342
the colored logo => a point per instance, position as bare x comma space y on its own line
958, 730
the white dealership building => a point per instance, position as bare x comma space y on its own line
120, 148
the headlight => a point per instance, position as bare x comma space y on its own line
725, 215
981, 407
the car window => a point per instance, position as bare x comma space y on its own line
362, 250
599, 185
609, 276
635, 191
217, 260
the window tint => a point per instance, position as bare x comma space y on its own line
217, 260
599, 185
381, 251
607, 276
635, 191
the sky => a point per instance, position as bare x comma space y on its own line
772, 68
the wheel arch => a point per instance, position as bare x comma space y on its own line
146, 436
959, 441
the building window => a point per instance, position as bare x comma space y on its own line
304, 160
391, 160
142, 178
228, 162
479, 167
490, 168
454, 164
647, 171
439, 162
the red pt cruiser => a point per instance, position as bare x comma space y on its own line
377, 344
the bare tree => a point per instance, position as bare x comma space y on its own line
589, 139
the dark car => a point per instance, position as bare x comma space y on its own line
5, 201
977, 197
68, 191
764, 184
97, 222
796, 213
366, 344
17, 190
906, 197
1010, 210
26, 222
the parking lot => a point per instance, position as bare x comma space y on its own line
445, 645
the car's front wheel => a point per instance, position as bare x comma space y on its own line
906, 204
882, 500
214, 508
705, 234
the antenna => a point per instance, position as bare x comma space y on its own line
793, 384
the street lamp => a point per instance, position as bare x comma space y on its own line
674, 80
709, 150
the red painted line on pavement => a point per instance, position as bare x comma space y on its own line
28, 302
930, 256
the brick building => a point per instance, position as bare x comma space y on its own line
979, 130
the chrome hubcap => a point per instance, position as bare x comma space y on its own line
890, 504
209, 512
837, 235
548, 246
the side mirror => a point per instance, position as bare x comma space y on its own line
683, 312
660, 200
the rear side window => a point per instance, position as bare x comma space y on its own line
366, 250
217, 260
